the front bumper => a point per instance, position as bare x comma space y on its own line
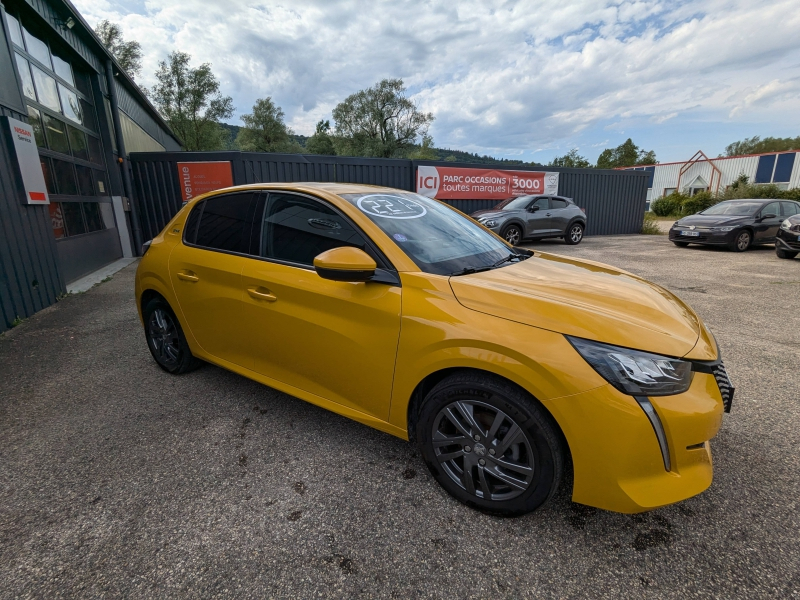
788, 240
705, 236
617, 459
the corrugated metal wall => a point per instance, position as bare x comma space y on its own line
29, 275
614, 200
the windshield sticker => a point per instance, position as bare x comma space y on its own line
391, 207
400, 237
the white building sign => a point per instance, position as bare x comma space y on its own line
30, 166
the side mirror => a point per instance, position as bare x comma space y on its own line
768, 216
533, 208
345, 264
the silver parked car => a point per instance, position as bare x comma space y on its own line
535, 217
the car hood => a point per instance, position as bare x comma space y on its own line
492, 213
712, 220
583, 299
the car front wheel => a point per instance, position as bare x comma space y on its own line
742, 241
574, 234
512, 234
490, 444
166, 340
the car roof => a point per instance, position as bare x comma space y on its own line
333, 188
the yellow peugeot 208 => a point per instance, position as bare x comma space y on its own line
401, 313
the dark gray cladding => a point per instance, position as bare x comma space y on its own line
614, 200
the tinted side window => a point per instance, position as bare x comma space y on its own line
556, 203
190, 229
789, 209
223, 223
542, 203
296, 229
773, 208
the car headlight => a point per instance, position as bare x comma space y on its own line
635, 372
488, 223
726, 228
786, 225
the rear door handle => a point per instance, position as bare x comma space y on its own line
261, 293
188, 276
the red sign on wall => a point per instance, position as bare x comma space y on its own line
200, 177
454, 183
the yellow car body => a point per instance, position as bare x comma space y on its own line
367, 350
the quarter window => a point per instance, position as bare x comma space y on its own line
296, 229
555, 203
223, 222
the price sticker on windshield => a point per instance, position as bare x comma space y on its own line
391, 207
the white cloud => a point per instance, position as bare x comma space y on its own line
500, 76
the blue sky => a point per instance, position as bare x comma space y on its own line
525, 80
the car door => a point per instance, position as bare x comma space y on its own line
560, 215
205, 270
537, 222
766, 228
335, 339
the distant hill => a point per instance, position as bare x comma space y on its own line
442, 153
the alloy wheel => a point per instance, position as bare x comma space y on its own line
162, 334
483, 450
512, 236
576, 233
743, 240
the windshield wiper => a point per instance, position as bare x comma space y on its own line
469, 271
509, 258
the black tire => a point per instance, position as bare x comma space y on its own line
742, 241
574, 234
496, 463
166, 340
681, 244
512, 234
781, 253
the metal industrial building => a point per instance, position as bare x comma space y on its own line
701, 173
63, 89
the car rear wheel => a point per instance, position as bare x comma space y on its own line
489, 444
512, 234
780, 253
742, 241
681, 244
166, 340
574, 234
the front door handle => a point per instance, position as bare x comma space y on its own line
188, 276
261, 293
549, 215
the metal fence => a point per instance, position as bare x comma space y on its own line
614, 200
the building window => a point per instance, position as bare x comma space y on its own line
668, 191
63, 118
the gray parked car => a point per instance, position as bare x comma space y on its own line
535, 217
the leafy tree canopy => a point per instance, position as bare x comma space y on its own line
626, 154
424, 151
321, 142
265, 131
755, 145
191, 103
380, 121
128, 54
571, 159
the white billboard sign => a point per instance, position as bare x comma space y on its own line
30, 166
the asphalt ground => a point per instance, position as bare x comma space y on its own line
118, 480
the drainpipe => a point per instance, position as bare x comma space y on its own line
126, 176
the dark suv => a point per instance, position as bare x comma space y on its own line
535, 217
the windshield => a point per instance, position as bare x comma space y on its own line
516, 203
733, 208
439, 240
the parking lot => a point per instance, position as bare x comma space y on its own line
118, 480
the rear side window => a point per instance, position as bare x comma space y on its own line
789, 209
296, 229
556, 203
224, 223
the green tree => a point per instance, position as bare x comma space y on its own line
571, 159
755, 145
191, 103
128, 54
321, 142
265, 131
424, 151
626, 154
379, 121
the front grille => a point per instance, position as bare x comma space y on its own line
726, 388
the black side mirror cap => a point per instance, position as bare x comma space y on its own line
533, 208
768, 216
